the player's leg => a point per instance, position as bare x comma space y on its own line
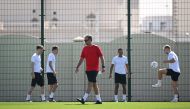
161, 72
97, 93
124, 92
43, 98
51, 96
55, 86
29, 93
85, 96
118, 80
52, 82
95, 87
123, 81
28, 97
175, 90
89, 88
50, 90
116, 92
174, 77
40, 82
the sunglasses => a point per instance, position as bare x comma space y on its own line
86, 40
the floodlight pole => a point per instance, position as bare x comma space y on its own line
129, 47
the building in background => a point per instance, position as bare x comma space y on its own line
181, 21
67, 19
157, 24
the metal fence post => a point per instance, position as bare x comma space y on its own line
129, 47
42, 34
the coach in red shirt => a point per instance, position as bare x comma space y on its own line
91, 53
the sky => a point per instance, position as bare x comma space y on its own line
155, 8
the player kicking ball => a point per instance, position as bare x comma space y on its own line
51, 73
36, 73
173, 71
120, 63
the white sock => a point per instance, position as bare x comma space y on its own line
175, 96
98, 98
159, 82
43, 97
85, 96
124, 97
28, 97
51, 95
116, 97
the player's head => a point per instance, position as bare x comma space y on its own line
55, 49
88, 40
39, 49
120, 51
167, 49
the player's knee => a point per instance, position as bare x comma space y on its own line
56, 85
174, 85
124, 87
160, 70
117, 86
90, 83
95, 85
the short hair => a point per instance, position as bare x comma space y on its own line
55, 48
39, 47
166, 47
120, 49
89, 37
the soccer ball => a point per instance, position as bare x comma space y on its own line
154, 64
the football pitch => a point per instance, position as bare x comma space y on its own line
91, 105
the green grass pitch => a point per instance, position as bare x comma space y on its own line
91, 105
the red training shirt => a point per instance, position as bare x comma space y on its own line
91, 53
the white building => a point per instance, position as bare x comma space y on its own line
67, 19
157, 24
181, 17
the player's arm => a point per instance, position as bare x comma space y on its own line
51, 67
127, 68
170, 61
111, 70
79, 64
103, 63
32, 67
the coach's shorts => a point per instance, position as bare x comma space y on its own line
91, 75
120, 78
37, 80
51, 79
174, 75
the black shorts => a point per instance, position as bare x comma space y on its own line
37, 80
120, 78
174, 75
91, 75
51, 79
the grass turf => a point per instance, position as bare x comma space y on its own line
91, 105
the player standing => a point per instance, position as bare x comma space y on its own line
91, 53
36, 73
51, 73
173, 71
120, 63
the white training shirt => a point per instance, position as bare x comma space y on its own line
51, 57
120, 64
37, 62
174, 66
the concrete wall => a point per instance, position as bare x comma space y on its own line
15, 70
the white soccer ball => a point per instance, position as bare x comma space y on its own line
154, 64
